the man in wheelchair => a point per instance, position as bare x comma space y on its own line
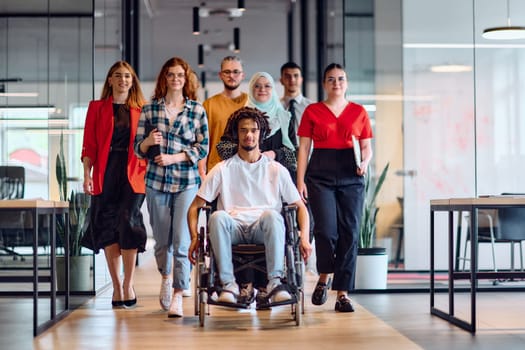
250, 189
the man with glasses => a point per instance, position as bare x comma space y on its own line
220, 106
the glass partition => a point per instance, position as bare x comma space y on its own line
446, 108
46, 83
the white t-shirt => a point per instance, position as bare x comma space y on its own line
245, 190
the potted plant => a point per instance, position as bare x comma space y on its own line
79, 264
372, 262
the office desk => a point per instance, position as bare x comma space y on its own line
41, 208
471, 205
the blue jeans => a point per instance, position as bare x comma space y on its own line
268, 230
167, 212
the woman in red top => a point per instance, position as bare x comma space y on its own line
114, 176
335, 183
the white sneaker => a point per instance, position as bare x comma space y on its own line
229, 293
187, 293
176, 306
165, 294
277, 295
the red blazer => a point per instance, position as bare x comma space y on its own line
98, 132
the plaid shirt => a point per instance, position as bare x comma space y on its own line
189, 134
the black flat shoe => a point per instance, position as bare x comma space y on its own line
320, 293
344, 304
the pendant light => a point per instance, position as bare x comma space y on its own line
508, 32
196, 24
236, 40
240, 5
200, 55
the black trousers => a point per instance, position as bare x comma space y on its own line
336, 195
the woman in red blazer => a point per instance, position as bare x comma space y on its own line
114, 176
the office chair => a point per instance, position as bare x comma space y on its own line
504, 225
12, 186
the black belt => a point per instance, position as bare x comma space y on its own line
118, 149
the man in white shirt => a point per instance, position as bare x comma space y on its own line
250, 189
293, 99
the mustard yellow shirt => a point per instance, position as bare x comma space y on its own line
219, 108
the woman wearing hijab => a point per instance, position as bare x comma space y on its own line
276, 144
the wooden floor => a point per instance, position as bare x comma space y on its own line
381, 321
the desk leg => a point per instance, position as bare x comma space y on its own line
450, 263
35, 272
53, 266
432, 290
473, 267
458, 239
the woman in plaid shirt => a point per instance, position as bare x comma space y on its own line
173, 135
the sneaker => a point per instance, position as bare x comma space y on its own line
165, 294
186, 293
229, 294
176, 306
344, 304
277, 292
247, 294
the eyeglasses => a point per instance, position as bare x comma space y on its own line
332, 80
231, 72
175, 75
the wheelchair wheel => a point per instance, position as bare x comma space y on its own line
298, 315
196, 289
199, 269
290, 266
202, 307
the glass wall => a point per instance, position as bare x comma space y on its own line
46, 78
46, 82
448, 113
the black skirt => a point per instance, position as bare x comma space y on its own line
115, 215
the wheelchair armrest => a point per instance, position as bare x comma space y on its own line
289, 207
207, 210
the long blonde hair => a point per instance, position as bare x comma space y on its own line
135, 96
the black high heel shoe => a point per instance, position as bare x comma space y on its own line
116, 303
131, 302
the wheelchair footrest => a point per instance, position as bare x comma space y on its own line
234, 305
262, 306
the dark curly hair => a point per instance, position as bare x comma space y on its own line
231, 131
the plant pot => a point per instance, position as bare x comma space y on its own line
80, 279
371, 268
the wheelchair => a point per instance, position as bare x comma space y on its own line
249, 256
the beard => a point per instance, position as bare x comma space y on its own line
231, 87
248, 148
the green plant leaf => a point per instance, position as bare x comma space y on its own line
78, 207
368, 219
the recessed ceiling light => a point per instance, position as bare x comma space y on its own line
451, 68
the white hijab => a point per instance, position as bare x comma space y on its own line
279, 118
